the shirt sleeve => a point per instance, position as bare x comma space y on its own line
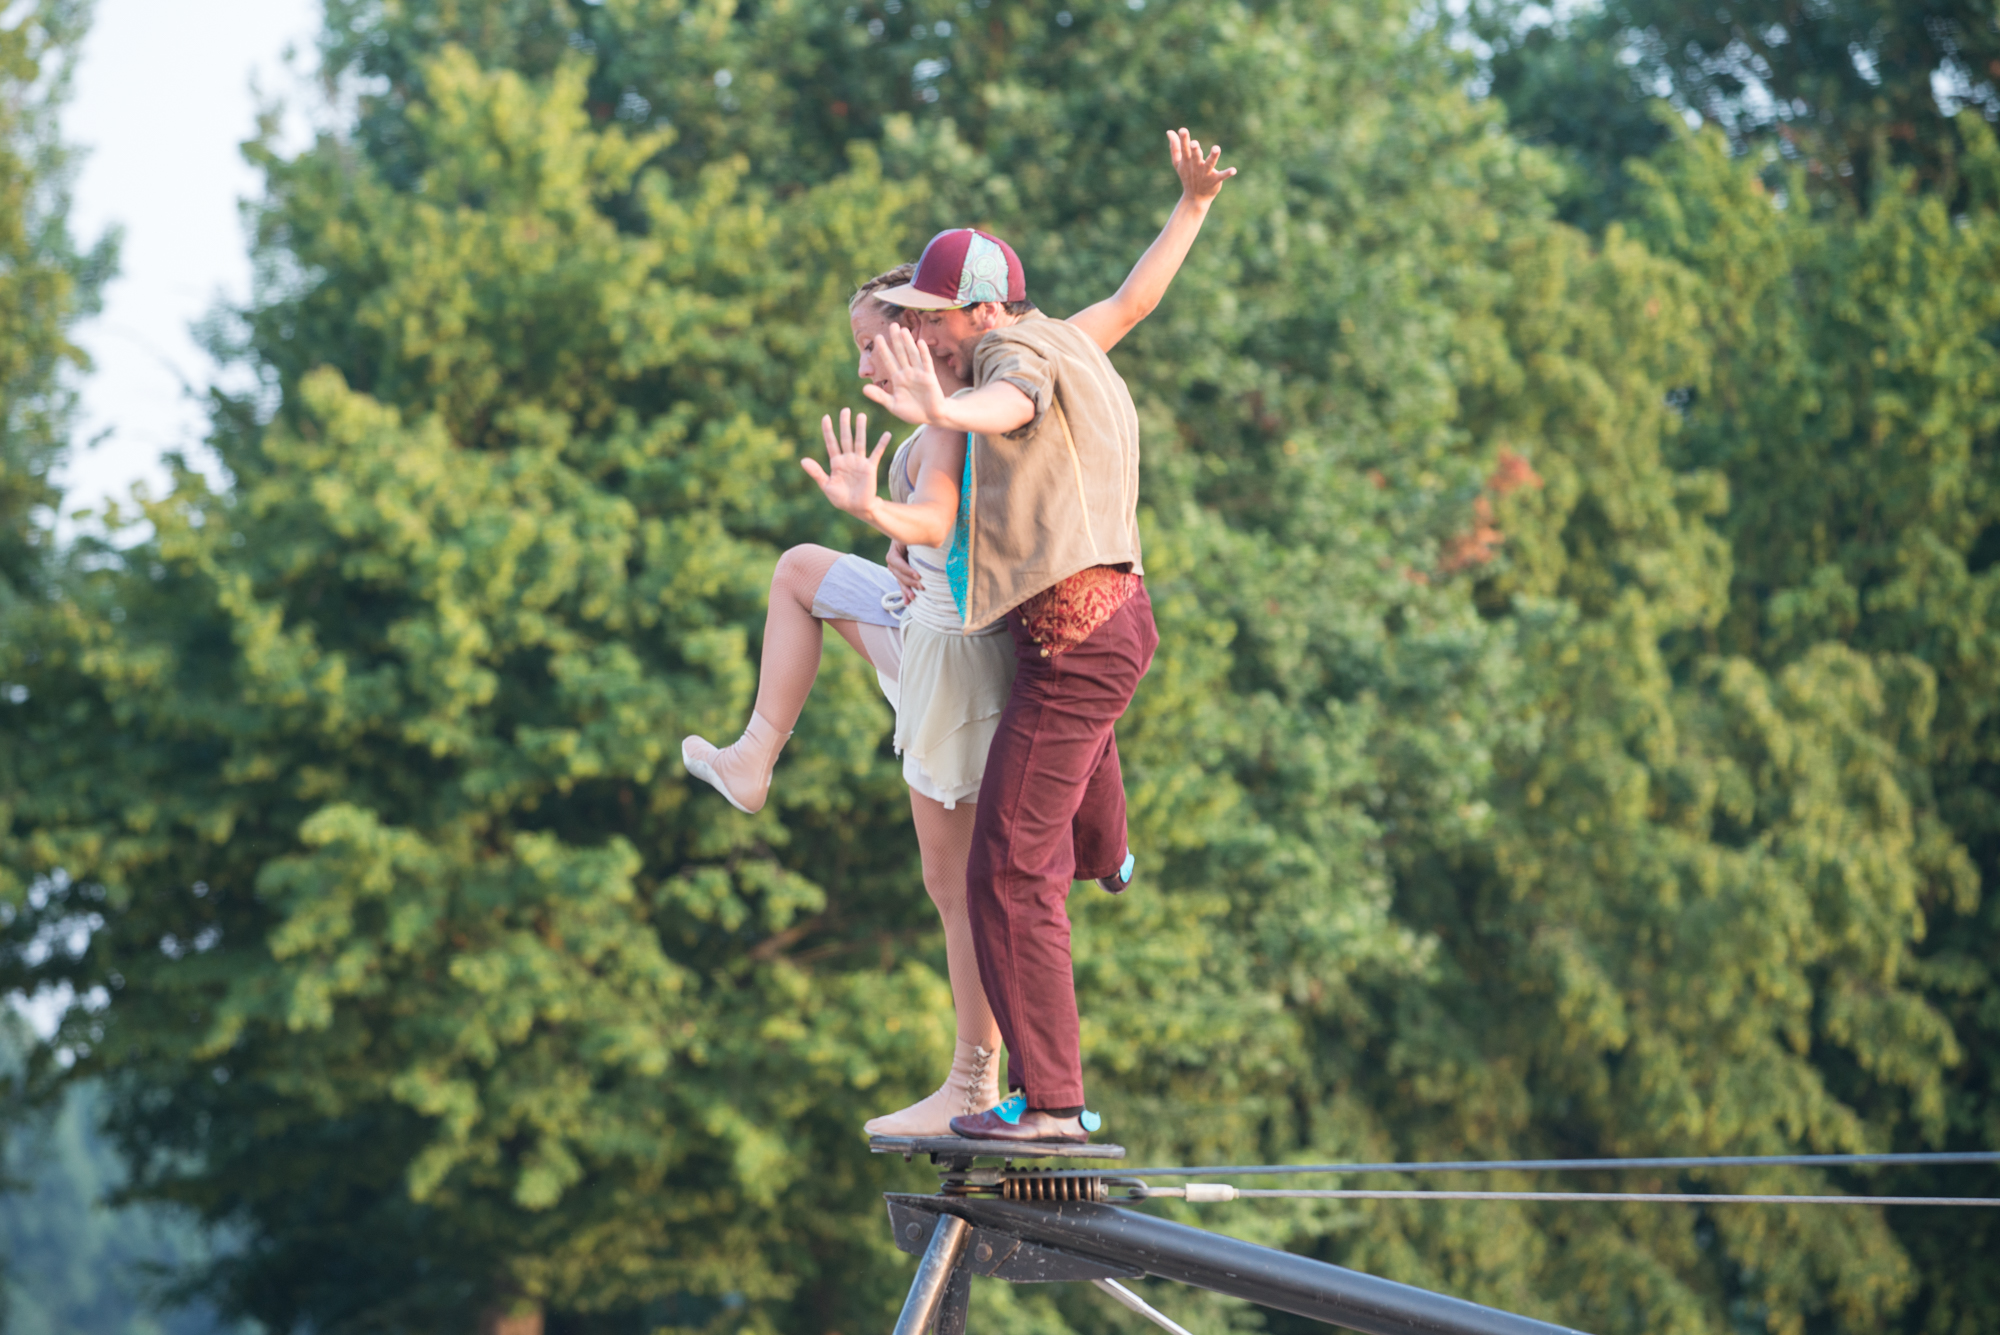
999, 359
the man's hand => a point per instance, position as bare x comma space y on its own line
907, 576
913, 393
849, 479
1201, 180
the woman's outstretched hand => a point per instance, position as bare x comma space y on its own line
849, 477
913, 393
1201, 177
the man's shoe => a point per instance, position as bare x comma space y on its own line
1011, 1121
1123, 877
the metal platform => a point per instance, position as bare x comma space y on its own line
959, 1238
956, 1149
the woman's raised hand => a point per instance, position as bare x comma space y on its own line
849, 477
913, 393
1201, 177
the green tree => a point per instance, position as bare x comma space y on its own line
1852, 409
428, 969
1847, 90
1847, 299
77, 1262
409, 692
46, 283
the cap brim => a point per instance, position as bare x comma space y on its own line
911, 298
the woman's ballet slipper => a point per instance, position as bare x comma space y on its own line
972, 1087
741, 772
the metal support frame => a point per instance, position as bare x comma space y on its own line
935, 1276
1083, 1240
1124, 1297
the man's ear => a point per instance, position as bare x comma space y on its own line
985, 315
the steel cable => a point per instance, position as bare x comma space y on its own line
1660, 1197
1988, 1157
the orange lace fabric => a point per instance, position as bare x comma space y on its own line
1063, 615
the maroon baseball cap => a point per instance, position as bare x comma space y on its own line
961, 267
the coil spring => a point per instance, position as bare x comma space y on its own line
1043, 1187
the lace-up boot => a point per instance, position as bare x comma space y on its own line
741, 772
972, 1087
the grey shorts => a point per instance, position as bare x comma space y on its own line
861, 591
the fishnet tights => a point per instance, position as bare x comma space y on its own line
945, 839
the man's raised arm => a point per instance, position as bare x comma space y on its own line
1201, 180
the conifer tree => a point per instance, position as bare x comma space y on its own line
46, 283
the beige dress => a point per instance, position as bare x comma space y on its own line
952, 685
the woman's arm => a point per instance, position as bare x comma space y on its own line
926, 518
850, 483
1111, 319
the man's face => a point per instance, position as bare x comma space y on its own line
950, 335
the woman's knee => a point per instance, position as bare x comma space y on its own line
800, 570
947, 896
944, 883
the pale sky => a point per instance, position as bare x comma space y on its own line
166, 92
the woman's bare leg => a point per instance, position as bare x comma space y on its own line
945, 839
792, 635
741, 771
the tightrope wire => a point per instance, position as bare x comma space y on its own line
1655, 1197
1988, 1157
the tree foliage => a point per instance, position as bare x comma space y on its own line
1845, 251
1867, 528
1847, 90
46, 283
1482, 812
76, 1262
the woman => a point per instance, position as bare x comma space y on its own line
948, 688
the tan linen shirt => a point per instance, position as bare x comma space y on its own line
1062, 493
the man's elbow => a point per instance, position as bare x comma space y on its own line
1020, 410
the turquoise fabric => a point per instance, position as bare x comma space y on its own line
958, 561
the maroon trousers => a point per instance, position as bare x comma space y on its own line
1051, 811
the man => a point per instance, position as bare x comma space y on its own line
1048, 537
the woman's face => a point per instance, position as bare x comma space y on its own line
869, 322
